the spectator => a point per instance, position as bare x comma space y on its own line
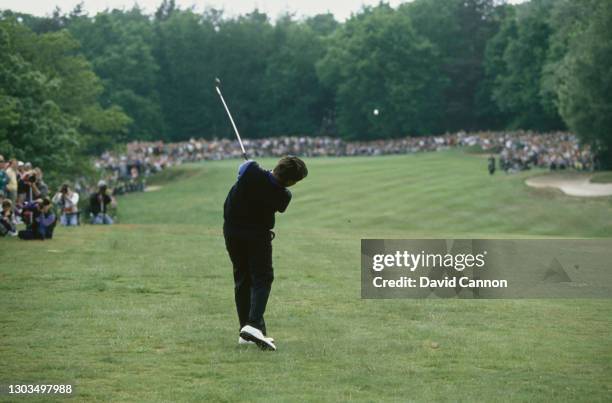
43, 189
68, 202
491, 162
98, 205
27, 187
7, 219
27, 193
11, 186
4, 179
43, 220
135, 183
523, 150
517, 150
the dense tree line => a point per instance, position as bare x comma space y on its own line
427, 67
49, 100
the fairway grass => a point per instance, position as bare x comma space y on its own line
143, 310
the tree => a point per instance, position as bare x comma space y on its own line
429, 66
322, 24
185, 50
377, 61
459, 30
51, 113
32, 125
584, 79
517, 58
244, 47
119, 46
291, 87
77, 89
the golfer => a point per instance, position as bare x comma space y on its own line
248, 215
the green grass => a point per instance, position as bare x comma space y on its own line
602, 177
143, 310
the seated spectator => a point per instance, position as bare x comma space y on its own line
43, 220
98, 205
7, 219
28, 192
68, 202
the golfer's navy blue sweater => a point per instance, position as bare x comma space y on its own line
252, 202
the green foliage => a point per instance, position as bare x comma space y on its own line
377, 61
323, 24
517, 56
102, 128
428, 66
291, 79
584, 79
119, 46
184, 50
49, 106
32, 124
267, 71
459, 30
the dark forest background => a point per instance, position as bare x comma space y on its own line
78, 84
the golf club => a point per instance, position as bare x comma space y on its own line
217, 85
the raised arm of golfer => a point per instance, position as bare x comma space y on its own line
248, 214
278, 203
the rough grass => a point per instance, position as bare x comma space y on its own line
143, 311
602, 177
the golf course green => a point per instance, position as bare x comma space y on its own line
143, 310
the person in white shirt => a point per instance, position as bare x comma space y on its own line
68, 201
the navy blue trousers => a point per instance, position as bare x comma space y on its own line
253, 276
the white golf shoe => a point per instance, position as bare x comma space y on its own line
252, 334
242, 341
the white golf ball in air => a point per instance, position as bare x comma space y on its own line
375, 112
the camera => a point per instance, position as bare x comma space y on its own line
32, 178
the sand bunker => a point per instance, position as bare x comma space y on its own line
572, 185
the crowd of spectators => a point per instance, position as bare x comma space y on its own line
26, 199
518, 150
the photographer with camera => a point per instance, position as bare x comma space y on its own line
68, 201
43, 220
27, 187
98, 205
27, 194
7, 219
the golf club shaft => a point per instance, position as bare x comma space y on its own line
244, 155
